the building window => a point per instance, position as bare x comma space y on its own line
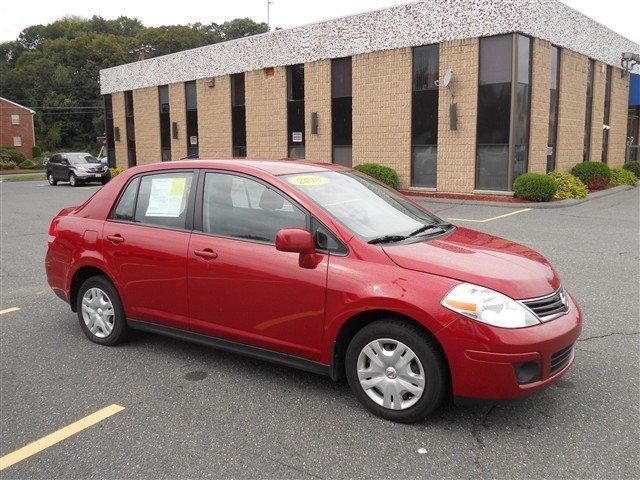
191, 96
165, 122
586, 148
108, 124
295, 110
238, 116
633, 133
424, 116
553, 109
607, 114
341, 111
503, 111
131, 128
15, 119
17, 141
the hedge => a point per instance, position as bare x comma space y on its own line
620, 176
386, 175
595, 175
12, 155
633, 166
569, 186
534, 186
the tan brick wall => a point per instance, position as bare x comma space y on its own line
117, 100
573, 92
382, 110
317, 98
618, 120
597, 114
214, 117
178, 114
540, 105
457, 149
147, 125
266, 107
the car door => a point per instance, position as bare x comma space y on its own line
240, 287
145, 241
54, 166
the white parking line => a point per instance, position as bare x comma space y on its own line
489, 219
9, 310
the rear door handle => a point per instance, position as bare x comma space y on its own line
117, 238
206, 254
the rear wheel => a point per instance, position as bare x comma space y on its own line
73, 180
396, 370
51, 179
100, 311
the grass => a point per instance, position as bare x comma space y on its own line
23, 177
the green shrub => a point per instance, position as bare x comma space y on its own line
586, 171
620, 176
7, 164
113, 172
569, 186
534, 186
36, 151
633, 166
12, 155
386, 175
29, 165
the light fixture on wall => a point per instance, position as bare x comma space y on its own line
629, 62
211, 82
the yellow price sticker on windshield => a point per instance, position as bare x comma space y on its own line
308, 180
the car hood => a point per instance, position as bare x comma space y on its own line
482, 259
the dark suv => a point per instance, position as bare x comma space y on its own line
76, 168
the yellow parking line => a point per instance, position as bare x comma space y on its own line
57, 436
9, 310
489, 219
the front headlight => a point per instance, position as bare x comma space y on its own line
488, 306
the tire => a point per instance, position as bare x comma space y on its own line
428, 360
73, 180
104, 181
51, 179
92, 328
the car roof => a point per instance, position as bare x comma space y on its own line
271, 166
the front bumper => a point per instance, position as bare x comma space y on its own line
83, 175
482, 358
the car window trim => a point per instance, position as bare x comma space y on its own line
190, 200
199, 204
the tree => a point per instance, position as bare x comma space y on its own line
58, 64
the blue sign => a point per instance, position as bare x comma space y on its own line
634, 90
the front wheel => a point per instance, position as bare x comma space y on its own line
73, 180
100, 311
396, 370
51, 179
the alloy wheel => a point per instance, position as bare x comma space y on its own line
73, 180
98, 312
391, 374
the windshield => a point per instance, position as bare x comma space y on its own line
80, 158
367, 208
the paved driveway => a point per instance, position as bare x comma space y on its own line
194, 412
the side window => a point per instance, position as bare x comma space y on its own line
325, 240
239, 207
127, 202
55, 159
163, 199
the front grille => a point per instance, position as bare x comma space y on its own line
549, 307
560, 359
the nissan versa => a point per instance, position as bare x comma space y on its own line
316, 267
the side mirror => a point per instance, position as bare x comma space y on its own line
295, 240
64, 161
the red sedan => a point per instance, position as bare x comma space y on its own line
316, 267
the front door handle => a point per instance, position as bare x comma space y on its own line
117, 238
206, 254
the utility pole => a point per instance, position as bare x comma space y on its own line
269, 2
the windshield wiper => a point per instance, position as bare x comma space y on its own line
388, 239
430, 226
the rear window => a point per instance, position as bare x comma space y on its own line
127, 203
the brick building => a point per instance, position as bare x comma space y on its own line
532, 83
16, 127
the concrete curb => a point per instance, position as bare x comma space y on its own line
542, 205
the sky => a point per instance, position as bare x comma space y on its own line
619, 15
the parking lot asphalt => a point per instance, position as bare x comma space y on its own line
191, 412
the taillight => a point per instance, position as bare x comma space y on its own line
53, 230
